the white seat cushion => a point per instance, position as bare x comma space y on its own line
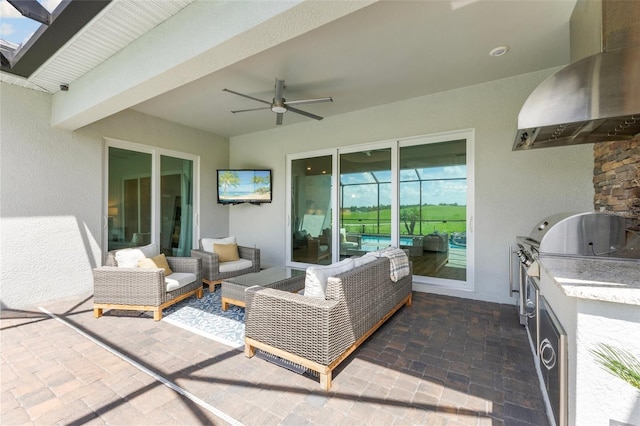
179, 279
234, 265
315, 283
207, 243
363, 260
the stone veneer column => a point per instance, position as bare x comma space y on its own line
616, 179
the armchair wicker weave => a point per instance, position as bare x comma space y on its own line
145, 289
214, 271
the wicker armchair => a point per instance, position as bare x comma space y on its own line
214, 271
142, 289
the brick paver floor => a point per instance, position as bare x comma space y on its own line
442, 361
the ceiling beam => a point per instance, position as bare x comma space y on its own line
68, 18
225, 33
32, 9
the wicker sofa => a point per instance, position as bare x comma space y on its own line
142, 289
321, 333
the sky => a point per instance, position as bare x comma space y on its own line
14, 27
437, 187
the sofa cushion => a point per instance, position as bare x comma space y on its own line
207, 243
363, 260
178, 280
159, 261
315, 283
226, 252
150, 250
235, 265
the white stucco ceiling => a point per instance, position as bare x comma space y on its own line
362, 55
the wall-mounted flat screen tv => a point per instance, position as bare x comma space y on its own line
237, 186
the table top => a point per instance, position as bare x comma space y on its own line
266, 276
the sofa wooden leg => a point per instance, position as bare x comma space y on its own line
410, 300
199, 293
97, 312
325, 380
157, 314
249, 351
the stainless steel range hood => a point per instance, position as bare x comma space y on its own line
595, 99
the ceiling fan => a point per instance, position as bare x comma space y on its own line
280, 105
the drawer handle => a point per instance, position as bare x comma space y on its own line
547, 354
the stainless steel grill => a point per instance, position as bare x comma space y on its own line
580, 235
590, 234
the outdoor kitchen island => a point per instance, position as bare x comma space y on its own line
596, 301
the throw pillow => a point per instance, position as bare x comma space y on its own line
315, 283
207, 243
159, 261
226, 252
128, 258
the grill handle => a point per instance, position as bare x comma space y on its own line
511, 290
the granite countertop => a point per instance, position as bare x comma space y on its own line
608, 280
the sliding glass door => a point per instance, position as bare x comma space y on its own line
365, 201
176, 206
415, 194
311, 210
129, 198
150, 198
433, 208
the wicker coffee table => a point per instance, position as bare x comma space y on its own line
279, 277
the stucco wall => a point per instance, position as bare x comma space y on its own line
50, 206
51, 184
514, 190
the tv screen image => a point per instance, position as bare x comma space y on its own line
244, 186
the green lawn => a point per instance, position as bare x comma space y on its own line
443, 218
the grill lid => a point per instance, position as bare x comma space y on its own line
591, 234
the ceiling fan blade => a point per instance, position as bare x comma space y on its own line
250, 109
279, 90
247, 96
279, 118
309, 101
305, 113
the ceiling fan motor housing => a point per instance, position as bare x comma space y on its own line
279, 106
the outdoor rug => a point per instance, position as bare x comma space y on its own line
205, 317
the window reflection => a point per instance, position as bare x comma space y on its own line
433, 194
365, 201
129, 202
311, 210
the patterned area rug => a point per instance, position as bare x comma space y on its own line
206, 318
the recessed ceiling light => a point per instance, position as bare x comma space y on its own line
499, 51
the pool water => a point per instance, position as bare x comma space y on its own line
375, 242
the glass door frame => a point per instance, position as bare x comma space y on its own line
156, 171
